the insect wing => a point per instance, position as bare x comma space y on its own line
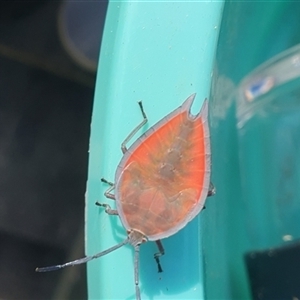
163, 179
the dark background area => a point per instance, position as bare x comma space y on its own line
45, 113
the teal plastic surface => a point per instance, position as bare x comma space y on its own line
251, 32
158, 52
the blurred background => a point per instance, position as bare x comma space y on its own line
46, 96
48, 58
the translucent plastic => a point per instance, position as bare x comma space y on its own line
251, 33
80, 27
269, 145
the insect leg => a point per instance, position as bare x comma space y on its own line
161, 251
108, 195
136, 129
108, 209
211, 190
106, 181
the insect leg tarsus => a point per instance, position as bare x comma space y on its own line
108, 209
161, 251
136, 129
106, 181
211, 190
108, 193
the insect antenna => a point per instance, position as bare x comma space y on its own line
136, 271
82, 260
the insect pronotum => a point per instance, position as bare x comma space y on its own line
161, 182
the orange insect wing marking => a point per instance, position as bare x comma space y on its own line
164, 176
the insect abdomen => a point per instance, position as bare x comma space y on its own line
165, 175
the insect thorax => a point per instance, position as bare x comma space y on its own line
136, 237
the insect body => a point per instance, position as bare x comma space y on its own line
161, 182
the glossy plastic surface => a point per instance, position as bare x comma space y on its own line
251, 33
270, 116
158, 52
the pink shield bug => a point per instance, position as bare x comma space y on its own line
161, 182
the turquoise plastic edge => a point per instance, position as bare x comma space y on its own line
160, 53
